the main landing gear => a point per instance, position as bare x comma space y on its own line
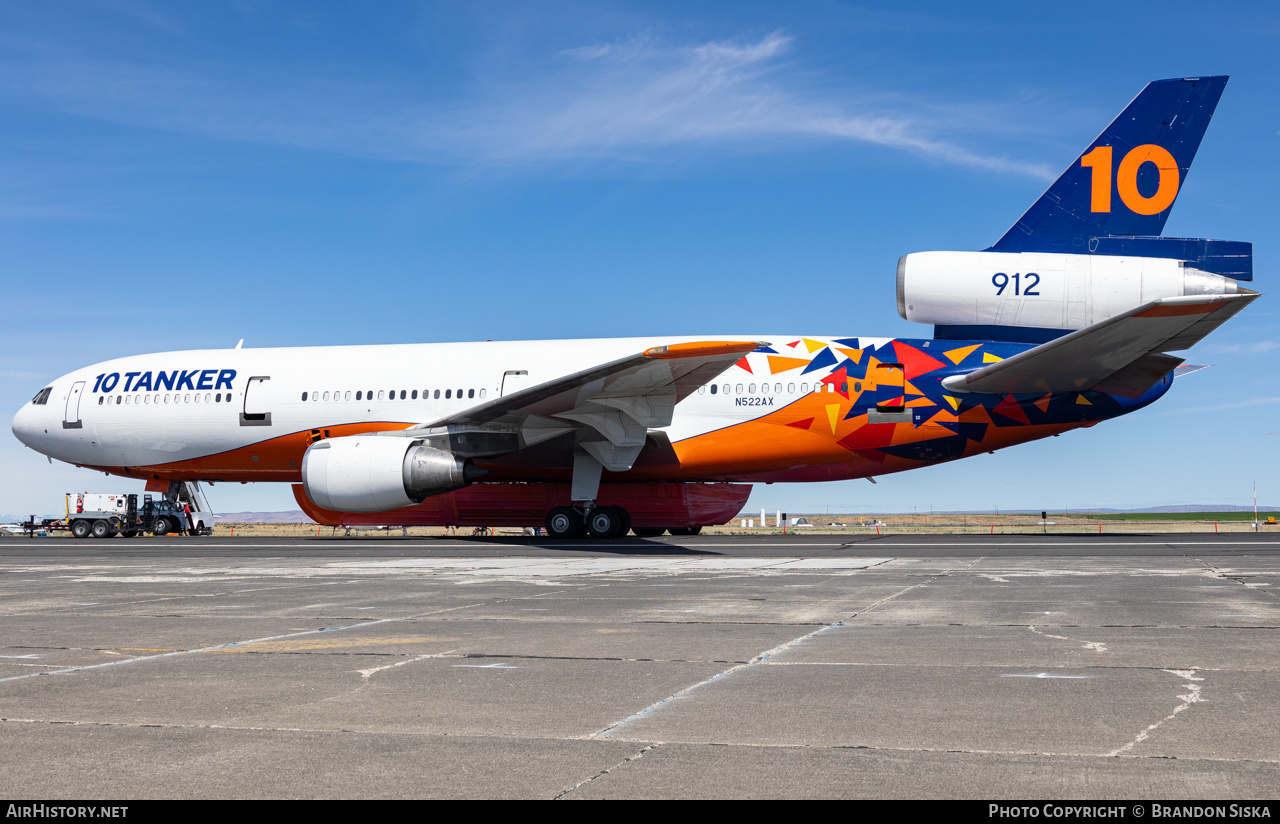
567, 522
598, 521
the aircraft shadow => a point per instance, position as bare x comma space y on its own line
616, 546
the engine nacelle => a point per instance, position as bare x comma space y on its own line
1040, 290
372, 473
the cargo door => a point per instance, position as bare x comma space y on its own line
71, 416
257, 402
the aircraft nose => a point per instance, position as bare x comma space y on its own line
25, 426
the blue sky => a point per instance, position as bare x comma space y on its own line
179, 176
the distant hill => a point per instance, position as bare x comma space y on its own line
1186, 508
1146, 509
1175, 508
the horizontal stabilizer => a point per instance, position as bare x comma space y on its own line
1199, 330
1122, 355
1190, 369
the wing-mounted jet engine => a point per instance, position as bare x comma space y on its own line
372, 473
1089, 249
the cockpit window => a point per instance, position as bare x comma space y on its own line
42, 397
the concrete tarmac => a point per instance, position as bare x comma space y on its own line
989, 667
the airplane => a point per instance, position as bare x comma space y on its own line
1066, 321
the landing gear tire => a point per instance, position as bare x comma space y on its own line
80, 529
564, 522
101, 529
161, 527
130, 533
684, 530
647, 531
607, 521
115, 524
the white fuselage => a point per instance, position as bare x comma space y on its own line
171, 407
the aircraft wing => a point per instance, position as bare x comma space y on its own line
1123, 355
612, 406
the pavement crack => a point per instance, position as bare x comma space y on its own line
608, 730
1237, 578
928, 579
366, 674
531, 657
759, 659
1096, 646
976, 751
160, 725
731, 623
1191, 697
634, 757
215, 648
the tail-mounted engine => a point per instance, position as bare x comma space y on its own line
372, 473
957, 291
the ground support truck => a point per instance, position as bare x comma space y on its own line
183, 510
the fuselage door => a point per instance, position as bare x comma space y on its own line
257, 405
71, 417
891, 403
890, 378
513, 380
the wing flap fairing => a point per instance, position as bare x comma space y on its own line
612, 406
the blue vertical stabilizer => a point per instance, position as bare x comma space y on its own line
1128, 180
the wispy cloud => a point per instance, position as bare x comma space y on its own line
639, 99
628, 98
